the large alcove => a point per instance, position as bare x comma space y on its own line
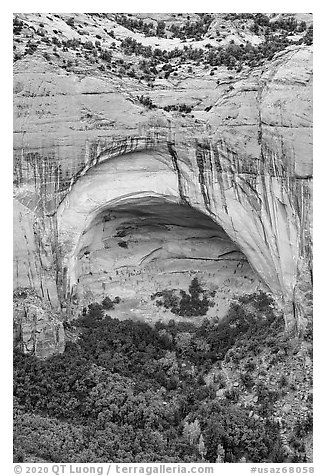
124, 231
144, 246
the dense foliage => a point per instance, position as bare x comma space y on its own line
128, 392
196, 303
190, 29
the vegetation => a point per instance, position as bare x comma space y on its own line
128, 392
71, 22
146, 101
308, 38
17, 26
196, 29
156, 62
138, 25
196, 303
183, 108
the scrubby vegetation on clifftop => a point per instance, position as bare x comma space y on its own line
234, 41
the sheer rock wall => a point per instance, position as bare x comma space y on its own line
243, 159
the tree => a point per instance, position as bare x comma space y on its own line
107, 303
71, 22
201, 447
191, 431
124, 390
220, 454
106, 55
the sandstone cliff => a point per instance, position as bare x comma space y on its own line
37, 328
89, 150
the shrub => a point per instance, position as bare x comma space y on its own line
232, 395
88, 45
304, 426
19, 456
219, 380
17, 25
107, 303
95, 310
250, 365
247, 380
283, 381
73, 43
196, 303
106, 55
71, 21
146, 101
31, 48
17, 56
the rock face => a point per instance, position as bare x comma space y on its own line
229, 185
145, 244
37, 328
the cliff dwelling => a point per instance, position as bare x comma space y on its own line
162, 237
130, 235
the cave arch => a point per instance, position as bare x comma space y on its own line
142, 245
103, 186
255, 211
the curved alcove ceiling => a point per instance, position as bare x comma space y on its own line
255, 211
105, 186
149, 244
125, 231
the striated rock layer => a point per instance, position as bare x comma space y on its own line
238, 169
37, 328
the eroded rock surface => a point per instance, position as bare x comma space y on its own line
37, 328
85, 148
142, 246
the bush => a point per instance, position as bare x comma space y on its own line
95, 310
30, 48
71, 21
247, 380
146, 101
107, 303
304, 426
73, 43
19, 456
17, 56
17, 25
250, 366
106, 55
89, 45
196, 303
283, 381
